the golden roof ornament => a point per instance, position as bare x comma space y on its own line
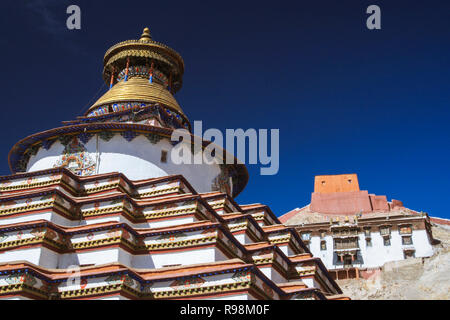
143, 52
142, 71
146, 35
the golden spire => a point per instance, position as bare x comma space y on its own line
146, 35
131, 55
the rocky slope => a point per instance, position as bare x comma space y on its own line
412, 279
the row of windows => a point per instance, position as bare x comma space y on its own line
384, 231
406, 240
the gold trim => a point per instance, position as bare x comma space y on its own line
21, 242
160, 191
94, 212
22, 287
29, 186
239, 227
101, 188
263, 260
43, 205
280, 239
98, 290
139, 90
227, 287
166, 213
150, 247
181, 243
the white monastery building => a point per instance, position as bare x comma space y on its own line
354, 231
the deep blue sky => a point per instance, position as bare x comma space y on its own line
346, 99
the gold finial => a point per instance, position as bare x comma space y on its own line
146, 35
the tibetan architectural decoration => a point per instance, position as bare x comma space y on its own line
101, 196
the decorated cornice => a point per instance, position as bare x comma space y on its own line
137, 241
221, 200
25, 279
273, 256
281, 234
251, 208
245, 223
134, 111
308, 294
22, 150
307, 265
44, 283
106, 204
81, 186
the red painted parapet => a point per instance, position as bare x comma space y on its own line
440, 221
379, 203
396, 204
341, 202
340, 195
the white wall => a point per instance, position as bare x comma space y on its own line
243, 238
39, 255
310, 282
138, 159
49, 259
378, 254
325, 255
193, 256
273, 275
49, 216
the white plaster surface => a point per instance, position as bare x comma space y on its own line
138, 159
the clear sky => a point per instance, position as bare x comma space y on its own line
346, 99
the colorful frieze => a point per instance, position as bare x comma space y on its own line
143, 72
158, 189
120, 278
169, 209
305, 270
238, 225
222, 182
181, 239
8, 207
30, 182
217, 205
85, 287
279, 237
187, 283
36, 235
127, 113
21, 278
82, 239
242, 276
100, 185
106, 206
76, 158
78, 286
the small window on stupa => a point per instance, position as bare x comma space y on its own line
163, 156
